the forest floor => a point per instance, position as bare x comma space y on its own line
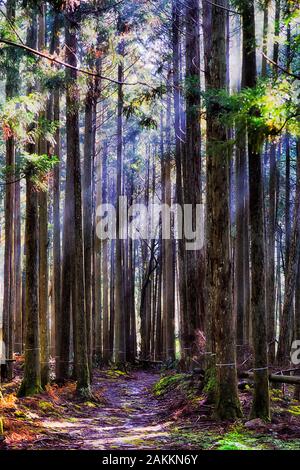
140, 410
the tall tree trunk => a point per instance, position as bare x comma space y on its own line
179, 139
168, 259
218, 249
18, 272
43, 238
56, 208
270, 300
31, 383
284, 344
87, 210
73, 154
192, 175
9, 294
239, 248
105, 264
261, 405
119, 348
273, 196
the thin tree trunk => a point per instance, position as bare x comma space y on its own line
286, 326
73, 152
87, 210
56, 208
261, 405
168, 261
194, 262
9, 293
105, 256
119, 347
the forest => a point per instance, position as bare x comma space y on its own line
150, 224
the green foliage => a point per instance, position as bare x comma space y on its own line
33, 166
50, 78
266, 111
37, 167
139, 107
18, 114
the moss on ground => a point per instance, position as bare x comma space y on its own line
236, 438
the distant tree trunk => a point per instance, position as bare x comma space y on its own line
19, 340
18, 272
286, 326
97, 199
287, 199
239, 248
9, 293
265, 37
297, 304
270, 300
87, 209
218, 244
168, 260
158, 332
273, 196
112, 200
276, 34
56, 208
179, 139
261, 405
131, 330
111, 299
73, 152
98, 261
147, 252
119, 348
194, 263
105, 264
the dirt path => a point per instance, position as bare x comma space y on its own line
130, 418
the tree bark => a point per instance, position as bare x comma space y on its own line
261, 405
73, 154
218, 243
194, 263
120, 356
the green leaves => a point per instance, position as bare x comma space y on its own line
33, 166
20, 113
266, 111
20, 118
37, 168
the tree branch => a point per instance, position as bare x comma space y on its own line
287, 72
72, 67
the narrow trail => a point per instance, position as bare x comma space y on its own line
131, 418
